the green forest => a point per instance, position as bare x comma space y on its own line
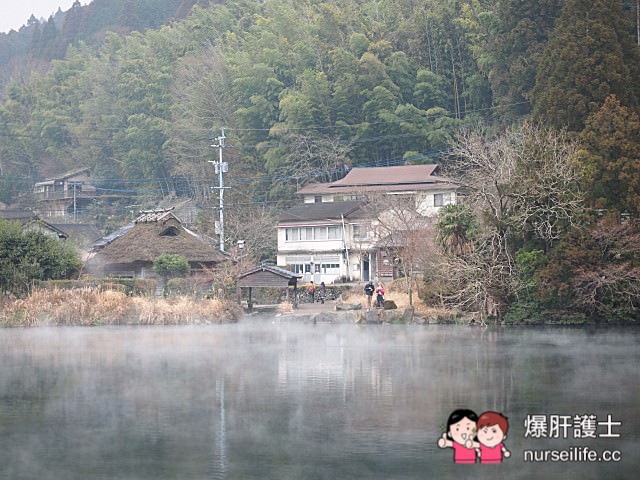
305, 89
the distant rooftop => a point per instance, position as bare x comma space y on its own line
322, 211
65, 175
396, 178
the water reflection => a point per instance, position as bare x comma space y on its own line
220, 455
264, 400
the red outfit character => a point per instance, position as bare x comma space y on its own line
492, 430
461, 429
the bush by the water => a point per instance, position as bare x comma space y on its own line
93, 306
30, 255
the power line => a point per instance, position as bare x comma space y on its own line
95, 128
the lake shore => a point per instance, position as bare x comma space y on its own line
94, 306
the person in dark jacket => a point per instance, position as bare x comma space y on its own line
322, 292
369, 288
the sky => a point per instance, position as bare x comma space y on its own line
15, 13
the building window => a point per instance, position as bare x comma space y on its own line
291, 234
320, 233
331, 268
317, 199
335, 232
441, 199
360, 232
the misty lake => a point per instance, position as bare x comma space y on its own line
267, 399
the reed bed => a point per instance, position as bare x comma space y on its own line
95, 306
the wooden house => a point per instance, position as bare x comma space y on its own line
131, 251
30, 221
65, 194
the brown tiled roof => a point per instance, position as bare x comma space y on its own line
384, 179
402, 174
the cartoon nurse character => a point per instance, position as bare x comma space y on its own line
461, 430
492, 430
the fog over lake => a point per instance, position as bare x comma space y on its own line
267, 399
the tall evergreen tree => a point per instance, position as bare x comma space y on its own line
590, 55
612, 140
523, 29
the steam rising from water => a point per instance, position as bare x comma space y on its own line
277, 400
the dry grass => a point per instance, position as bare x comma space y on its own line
285, 307
92, 306
397, 292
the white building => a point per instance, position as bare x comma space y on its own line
332, 234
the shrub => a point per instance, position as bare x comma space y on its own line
170, 265
27, 256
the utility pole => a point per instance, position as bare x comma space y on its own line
75, 216
75, 210
220, 168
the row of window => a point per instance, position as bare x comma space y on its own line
439, 199
360, 232
296, 234
325, 268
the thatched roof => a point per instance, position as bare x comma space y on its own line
151, 235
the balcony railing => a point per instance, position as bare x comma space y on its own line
64, 195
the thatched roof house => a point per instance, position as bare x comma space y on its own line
131, 251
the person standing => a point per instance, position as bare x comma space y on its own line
369, 288
322, 292
380, 295
311, 290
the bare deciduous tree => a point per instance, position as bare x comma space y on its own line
314, 157
252, 223
527, 179
403, 231
525, 182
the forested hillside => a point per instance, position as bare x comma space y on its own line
304, 88
35, 44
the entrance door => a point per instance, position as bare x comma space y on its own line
365, 268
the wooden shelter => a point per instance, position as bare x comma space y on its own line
268, 276
131, 251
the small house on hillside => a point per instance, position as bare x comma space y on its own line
29, 221
131, 251
70, 193
65, 194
